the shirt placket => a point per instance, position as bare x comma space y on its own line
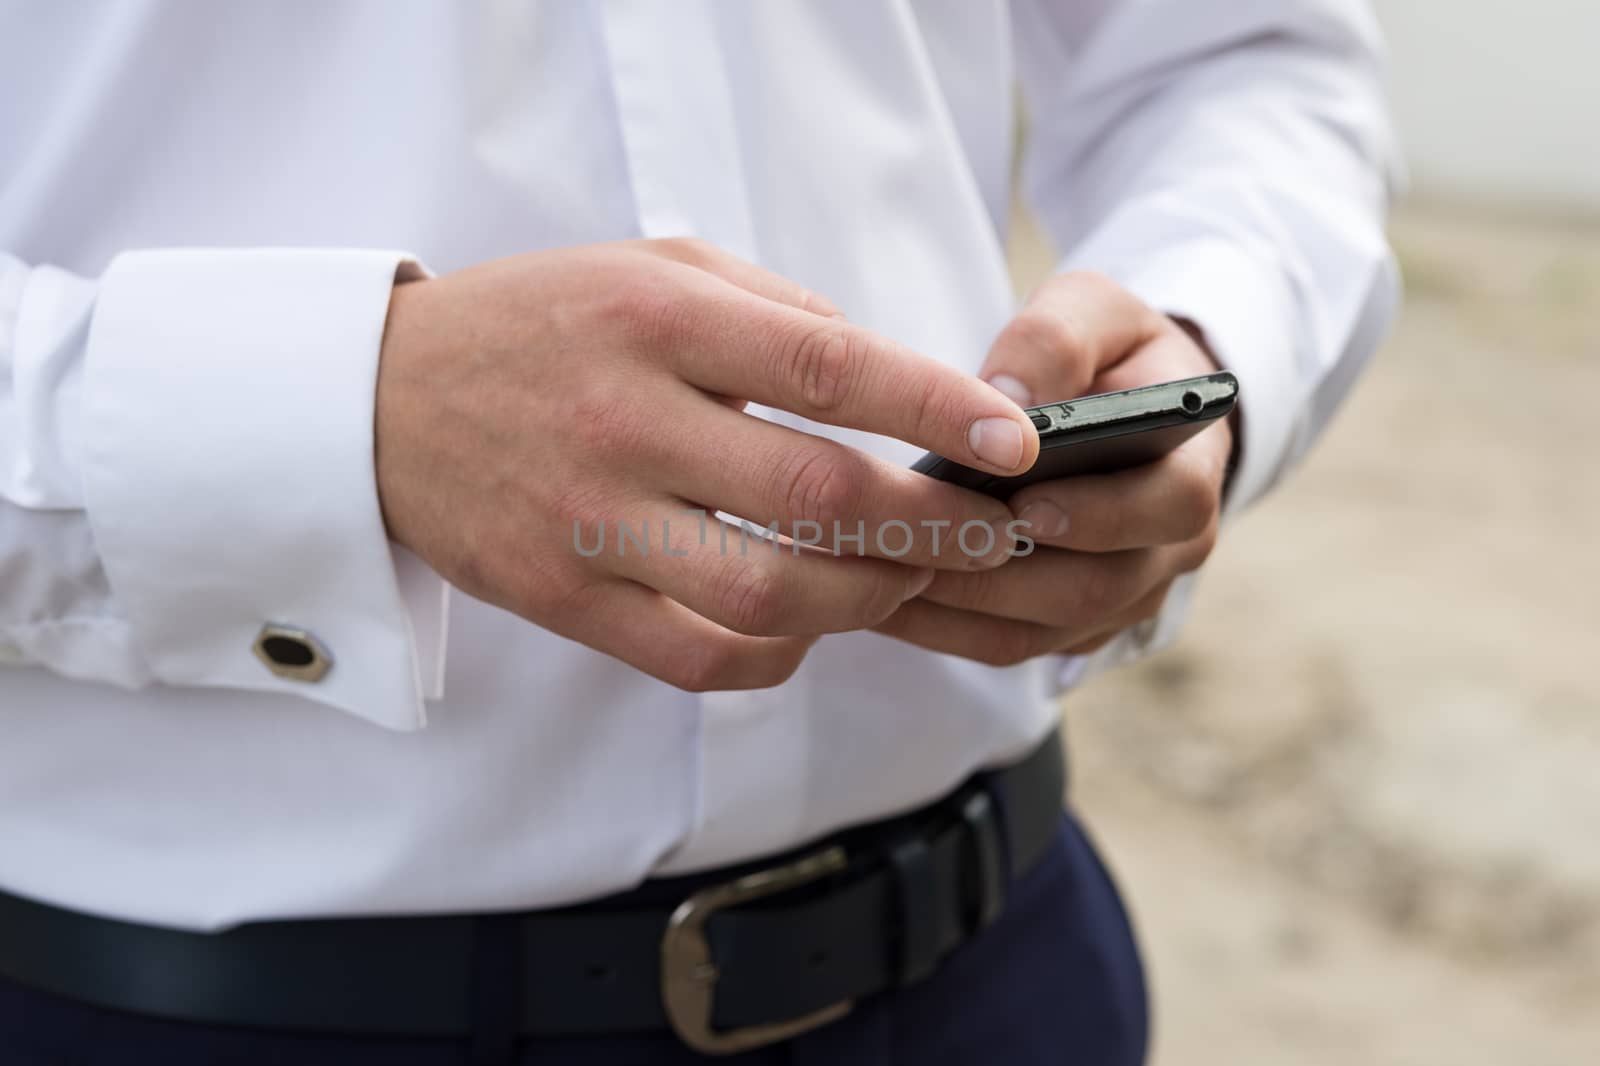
679, 136
676, 113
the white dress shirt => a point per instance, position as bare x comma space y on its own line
203, 208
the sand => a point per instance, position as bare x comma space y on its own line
1357, 809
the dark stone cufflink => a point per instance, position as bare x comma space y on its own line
292, 653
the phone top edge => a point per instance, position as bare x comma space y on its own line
1201, 398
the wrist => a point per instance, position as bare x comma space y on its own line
398, 406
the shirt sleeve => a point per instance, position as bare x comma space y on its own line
186, 459
1231, 164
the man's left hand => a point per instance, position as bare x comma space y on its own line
1108, 545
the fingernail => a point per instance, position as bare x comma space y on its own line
918, 584
1044, 519
997, 441
1015, 390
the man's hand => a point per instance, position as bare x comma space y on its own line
1110, 545
528, 406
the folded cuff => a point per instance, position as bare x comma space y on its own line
229, 479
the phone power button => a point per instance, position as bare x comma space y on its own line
1041, 421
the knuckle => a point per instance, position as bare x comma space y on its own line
1199, 500
1009, 645
649, 306
821, 365
692, 250
1114, 528
882, 596
1093, 644
715, 665
1065, 615
555, 594
688, 250
609, 423
1104, 288
814, 302
704, 666
543, 591
1151, 607
824, 485
1103, 589
776, 666
932, 405
576, 503
1090, 281
574, 499
751, 599
1199, 549
1119, 377
971, 590
1047, 332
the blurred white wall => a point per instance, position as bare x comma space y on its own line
1499, 100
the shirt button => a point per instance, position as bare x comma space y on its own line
292, 653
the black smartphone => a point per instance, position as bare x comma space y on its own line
1106, 432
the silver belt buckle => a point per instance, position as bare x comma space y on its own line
689, 976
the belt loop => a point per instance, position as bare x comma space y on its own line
496, 989
912, 865
989, 865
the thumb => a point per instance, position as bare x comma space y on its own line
1072, 327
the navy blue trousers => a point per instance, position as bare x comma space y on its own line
1056, 980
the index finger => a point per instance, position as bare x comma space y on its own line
829, 370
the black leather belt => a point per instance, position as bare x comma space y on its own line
744, 957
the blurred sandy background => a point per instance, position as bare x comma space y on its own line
1357, 809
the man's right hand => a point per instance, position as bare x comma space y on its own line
530, 398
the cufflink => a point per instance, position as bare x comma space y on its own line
292, 653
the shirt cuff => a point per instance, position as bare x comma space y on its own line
1244, 304
1146, 638
229, 478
